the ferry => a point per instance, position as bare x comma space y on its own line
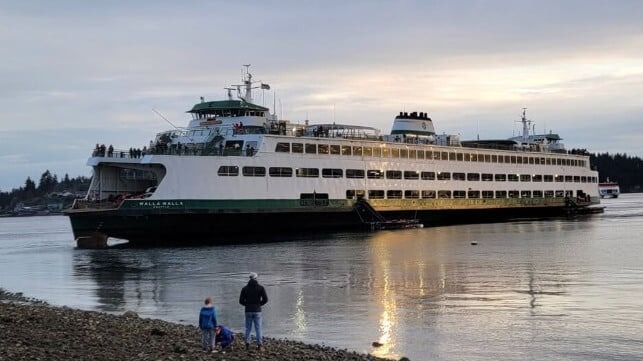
237, 169
608, 189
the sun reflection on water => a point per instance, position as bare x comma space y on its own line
301, 325
385, 291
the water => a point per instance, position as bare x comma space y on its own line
569, 289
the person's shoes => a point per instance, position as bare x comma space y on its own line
247, 346
260, 348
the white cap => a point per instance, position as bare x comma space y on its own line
253, 276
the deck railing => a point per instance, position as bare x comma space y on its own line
174, 150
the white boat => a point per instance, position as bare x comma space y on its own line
608, 189
238, 169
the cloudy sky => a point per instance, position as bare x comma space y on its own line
77, 73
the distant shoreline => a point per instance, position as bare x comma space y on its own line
10, 215
33, 329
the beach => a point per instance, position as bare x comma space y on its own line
33, 330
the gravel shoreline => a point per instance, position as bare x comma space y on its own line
33, 330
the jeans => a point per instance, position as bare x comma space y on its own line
253, 317
207, 339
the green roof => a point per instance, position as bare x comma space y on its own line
225, 105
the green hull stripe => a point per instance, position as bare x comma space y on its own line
232, 204
280, 205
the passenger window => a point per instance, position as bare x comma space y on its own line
283, 147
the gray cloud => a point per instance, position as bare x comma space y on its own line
76, 73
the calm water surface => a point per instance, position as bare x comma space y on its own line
568, 289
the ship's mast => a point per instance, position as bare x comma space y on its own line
525, 125
248, 83
246, 78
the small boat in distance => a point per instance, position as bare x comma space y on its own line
608, 189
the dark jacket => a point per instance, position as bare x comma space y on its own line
208, 318
253, 296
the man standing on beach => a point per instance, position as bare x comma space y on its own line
253, 296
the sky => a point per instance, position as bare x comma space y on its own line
77, 73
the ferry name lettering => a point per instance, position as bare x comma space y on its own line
161, 204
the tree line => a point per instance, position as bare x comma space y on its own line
627, 171
48, 187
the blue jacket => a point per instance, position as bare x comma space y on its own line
225, 337
208, 318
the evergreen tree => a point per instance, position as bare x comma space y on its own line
26, 192
47, 183
30, 186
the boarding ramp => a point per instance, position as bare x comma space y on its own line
376, 221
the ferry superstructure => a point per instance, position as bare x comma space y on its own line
237, 169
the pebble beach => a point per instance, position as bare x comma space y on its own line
33, 330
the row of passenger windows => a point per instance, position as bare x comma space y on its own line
230, 170
471, 194
406, 153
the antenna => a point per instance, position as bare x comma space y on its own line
164, 118
333, 113
513, 131
229, 92
243, 75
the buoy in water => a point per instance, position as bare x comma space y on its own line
474, 243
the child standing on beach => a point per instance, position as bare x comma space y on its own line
207, 324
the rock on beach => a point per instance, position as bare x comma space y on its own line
34, 330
